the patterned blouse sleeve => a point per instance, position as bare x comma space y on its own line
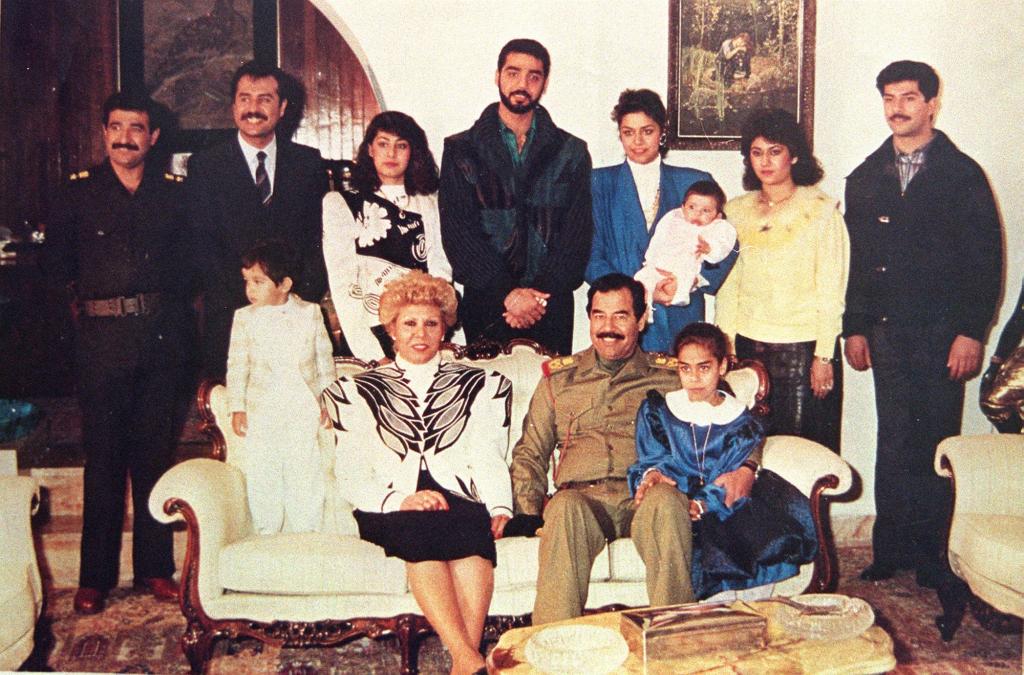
491, 469
355, 449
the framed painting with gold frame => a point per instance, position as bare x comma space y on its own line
730, 57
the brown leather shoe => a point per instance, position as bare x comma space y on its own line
90, 600
162, 588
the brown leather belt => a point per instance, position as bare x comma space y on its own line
136, 305
581, 484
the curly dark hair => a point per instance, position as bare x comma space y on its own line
421, 178
779, 126
643, 101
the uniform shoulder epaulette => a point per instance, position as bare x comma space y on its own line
79, 175
173, 178
557, 364
663, 361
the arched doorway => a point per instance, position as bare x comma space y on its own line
341, 98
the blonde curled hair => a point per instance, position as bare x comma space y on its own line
417, 288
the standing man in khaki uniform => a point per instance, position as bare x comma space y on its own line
586, 406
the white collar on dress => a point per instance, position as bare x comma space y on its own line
419, 375
395, 194
703, 413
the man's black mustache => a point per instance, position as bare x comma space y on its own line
611, 334
125, 146
521, 92
254, 115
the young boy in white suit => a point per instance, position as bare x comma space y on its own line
279, 362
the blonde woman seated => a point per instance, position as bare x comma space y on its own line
422, 444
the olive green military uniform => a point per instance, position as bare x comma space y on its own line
590, 415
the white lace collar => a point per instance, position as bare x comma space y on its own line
702, 413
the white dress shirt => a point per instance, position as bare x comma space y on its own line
270, 162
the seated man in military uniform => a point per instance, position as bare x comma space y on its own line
586, 405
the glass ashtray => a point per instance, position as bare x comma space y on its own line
828, 616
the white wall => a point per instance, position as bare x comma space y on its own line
436, 61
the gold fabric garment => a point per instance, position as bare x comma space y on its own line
1006, 398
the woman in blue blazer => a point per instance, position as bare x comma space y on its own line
630, 198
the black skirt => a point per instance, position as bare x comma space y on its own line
794, 410
462, 531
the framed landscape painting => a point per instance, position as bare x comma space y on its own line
184, 52
730, 57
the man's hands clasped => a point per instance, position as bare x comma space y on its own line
525, 307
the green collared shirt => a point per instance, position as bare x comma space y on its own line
509, 138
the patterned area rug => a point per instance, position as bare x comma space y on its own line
139, 635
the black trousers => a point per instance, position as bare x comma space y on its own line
794, 409
480, 312
918, 406
131, 415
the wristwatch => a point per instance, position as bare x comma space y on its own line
753, 466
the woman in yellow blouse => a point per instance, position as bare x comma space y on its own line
783, 303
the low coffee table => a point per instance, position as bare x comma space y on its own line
871, 652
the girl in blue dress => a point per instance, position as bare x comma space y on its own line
690, 437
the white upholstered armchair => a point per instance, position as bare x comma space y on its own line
986, 536
21, 591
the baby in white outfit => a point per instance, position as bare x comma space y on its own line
684, 239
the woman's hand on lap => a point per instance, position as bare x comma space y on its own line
425, 500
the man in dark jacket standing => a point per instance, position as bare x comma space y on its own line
925, 276
256, 186
515, 209
119, 240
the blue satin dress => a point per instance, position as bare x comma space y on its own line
763, 538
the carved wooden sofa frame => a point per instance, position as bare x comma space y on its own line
815, 470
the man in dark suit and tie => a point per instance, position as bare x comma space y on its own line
252, 187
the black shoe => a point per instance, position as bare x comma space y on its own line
876, 572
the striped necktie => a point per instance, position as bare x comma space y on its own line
262, 179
